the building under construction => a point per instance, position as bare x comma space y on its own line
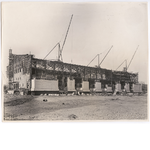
44, 76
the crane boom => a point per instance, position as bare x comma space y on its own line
60, 51
93, 59
133, 56
51, 50
105, 55
121, 64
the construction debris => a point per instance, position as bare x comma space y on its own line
72, 117
44, 100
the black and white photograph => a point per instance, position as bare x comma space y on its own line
66, 61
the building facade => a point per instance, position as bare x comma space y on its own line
26, 72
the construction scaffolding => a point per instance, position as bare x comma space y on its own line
23, 69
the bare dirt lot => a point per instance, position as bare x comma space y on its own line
74, 108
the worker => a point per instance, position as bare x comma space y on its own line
124, 91
105, 90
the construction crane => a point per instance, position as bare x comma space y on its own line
122, 63
106, 55
94, 59
61, 49
132, 57
51, 50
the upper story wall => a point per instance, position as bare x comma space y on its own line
45, 68
18, 63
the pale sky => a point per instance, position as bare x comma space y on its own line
36, 27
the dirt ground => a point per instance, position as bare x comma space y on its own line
33, 108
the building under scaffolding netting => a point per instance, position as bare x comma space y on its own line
38, 76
